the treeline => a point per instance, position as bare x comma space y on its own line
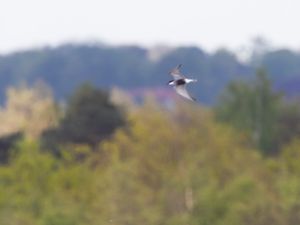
97, 160
66, 66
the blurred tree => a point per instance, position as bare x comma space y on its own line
90, 116
6, 144
121, 99
289, 122
29, 110
283, 64
38, 188
253, 109
259, 47
166, 167
288, 182
67, 66
189, 170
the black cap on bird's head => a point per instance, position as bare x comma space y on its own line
169, 82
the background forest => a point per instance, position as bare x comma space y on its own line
91, 134
135, 69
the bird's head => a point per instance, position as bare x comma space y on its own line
171, 83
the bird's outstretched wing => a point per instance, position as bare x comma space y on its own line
176, 72
181, 90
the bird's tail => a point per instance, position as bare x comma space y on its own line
190, 80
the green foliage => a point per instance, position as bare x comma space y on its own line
288, 182
253, 109
37, 188
90, 116
166, 167
289, 122
173, 167
193, 171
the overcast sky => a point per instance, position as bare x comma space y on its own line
209, 24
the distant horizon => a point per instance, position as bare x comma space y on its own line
95, 42
242, 53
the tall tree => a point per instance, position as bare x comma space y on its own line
254, 109
90, 116
28, 110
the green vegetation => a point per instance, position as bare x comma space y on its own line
90, 117
260, 113
162, 166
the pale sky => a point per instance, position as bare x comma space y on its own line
209, 24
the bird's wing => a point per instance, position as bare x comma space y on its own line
176, 72
181, 90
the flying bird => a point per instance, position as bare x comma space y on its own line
179, 83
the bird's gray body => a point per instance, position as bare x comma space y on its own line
179, 82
